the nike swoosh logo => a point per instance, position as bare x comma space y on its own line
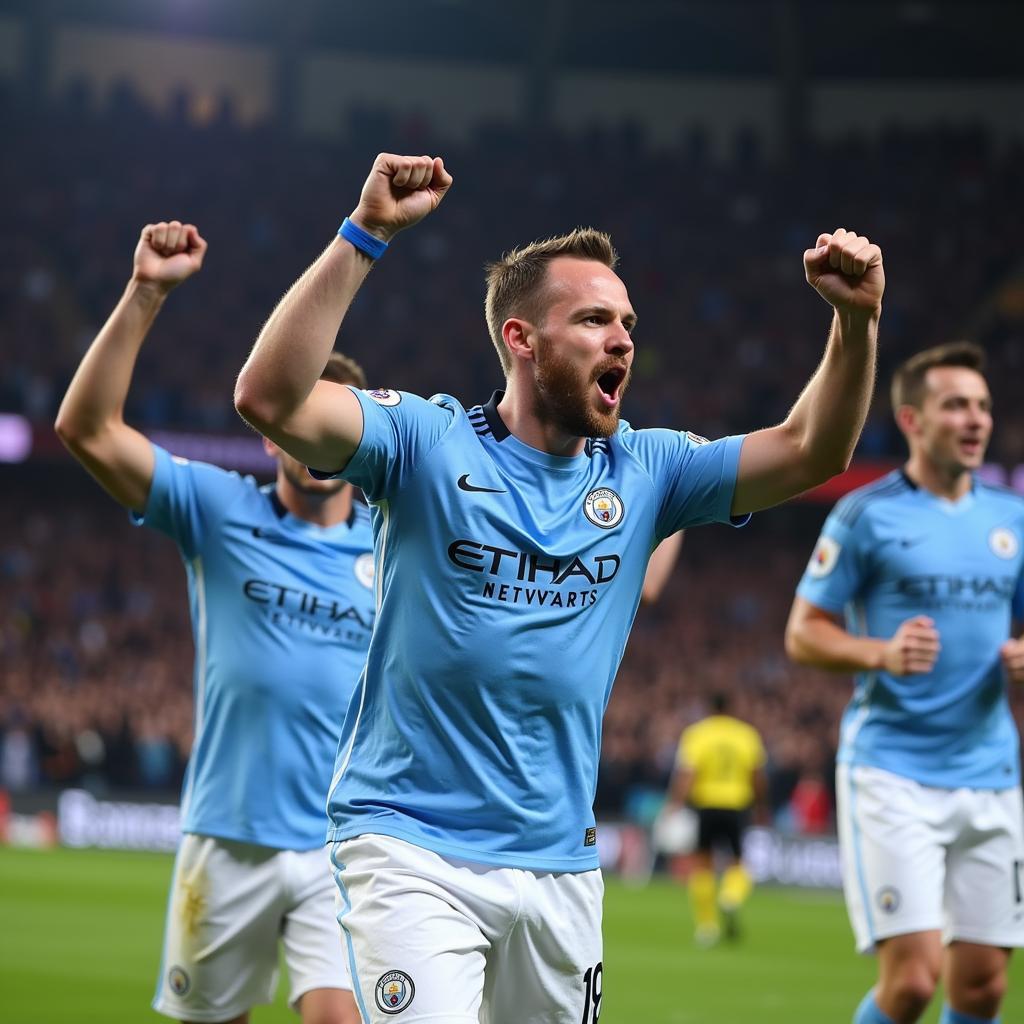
263, 535
465, 485
909, 542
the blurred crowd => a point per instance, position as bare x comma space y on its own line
95, 651
711, 251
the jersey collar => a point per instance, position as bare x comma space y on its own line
494, 420
915, 486
280, 511
276, 503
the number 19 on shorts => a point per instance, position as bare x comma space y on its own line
592, 994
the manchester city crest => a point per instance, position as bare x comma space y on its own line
179, 981
1003, 542
384, 396
394, 992
363, 569
603, 507
888, 899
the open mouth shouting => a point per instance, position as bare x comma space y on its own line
971, 446
611, 383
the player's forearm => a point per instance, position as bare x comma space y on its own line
96, 396
681, 785
295, 343
827, 419
825, 645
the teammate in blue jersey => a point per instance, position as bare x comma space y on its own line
511, 541
280, 582
927, 565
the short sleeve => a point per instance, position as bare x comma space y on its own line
399, 430
1017, 605
1018, 600
694, 478
838, 564
186, 499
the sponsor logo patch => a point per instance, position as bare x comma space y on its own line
697, 438
364, 571
824, 557
394, 992
590, 837
384, 396
178, 979
1003, 542
603, 507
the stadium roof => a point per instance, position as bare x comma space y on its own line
836, 38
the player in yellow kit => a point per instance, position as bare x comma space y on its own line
720, 773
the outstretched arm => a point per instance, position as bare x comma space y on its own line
660, 566
815, 637
817, 438
91, 417
681, 784
278, 390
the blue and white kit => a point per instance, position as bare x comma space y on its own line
476, 730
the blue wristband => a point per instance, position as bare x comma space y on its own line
362, 240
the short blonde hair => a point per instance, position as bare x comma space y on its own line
515, 283
342, 369
908, 380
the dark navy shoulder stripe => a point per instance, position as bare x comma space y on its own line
1000, 489
849, 509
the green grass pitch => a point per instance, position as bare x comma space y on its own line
81, 933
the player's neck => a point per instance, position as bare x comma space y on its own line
518, 412
949, 484
322, 510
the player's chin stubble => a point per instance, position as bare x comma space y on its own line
308, 486
564, 398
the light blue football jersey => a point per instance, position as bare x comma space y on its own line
893, 550
507, 582
282, 612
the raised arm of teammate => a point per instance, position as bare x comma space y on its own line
817, 438
91, 417
816, 637
278, 390
660, 566
1012, 655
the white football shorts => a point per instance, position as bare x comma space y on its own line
432, 938
916, 858
229, 905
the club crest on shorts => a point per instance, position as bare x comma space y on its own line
179, 981
1003, 542
363, 570
394, 992
824, 558
384, 396
888, 899
603, 507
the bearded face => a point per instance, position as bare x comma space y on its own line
581, 403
